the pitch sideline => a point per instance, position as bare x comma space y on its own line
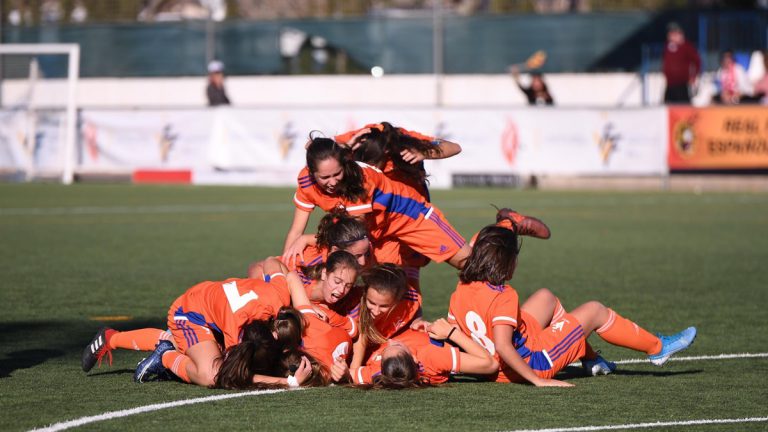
648, 425
156, 407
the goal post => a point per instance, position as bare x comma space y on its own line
69, 138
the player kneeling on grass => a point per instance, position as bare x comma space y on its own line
211, 316
488, 310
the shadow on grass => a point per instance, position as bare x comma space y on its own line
26, 359
573, 372
97, 373
27, 344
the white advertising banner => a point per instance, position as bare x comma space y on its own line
549, 141
266, 146
32, 142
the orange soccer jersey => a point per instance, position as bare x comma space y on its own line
479, 306
392, 210
312, 255
436, 360
399, 317
325, 341
219, 309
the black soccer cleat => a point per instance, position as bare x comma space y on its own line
97, 349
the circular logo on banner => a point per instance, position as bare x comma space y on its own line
684, 138
509, 142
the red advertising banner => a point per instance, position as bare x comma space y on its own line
715, 138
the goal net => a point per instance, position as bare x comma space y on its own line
38, 111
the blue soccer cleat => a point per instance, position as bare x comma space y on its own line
598, 366
151, 368
672, 344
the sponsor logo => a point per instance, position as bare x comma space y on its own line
286, 139
510, 142
607, 142
684, 137
90, 137
166, 141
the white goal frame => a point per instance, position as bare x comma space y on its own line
73, 74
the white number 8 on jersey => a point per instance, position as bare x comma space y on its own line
479, 332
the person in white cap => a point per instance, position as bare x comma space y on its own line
215, 90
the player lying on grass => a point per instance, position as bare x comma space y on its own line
415, 359
208, 320
487, 309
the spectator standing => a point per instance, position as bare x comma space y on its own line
215, 90
681, 66
537, 93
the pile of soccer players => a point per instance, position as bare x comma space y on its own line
343, 305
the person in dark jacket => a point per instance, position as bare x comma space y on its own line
215, 90
681, 66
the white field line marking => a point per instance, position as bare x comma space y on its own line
148, 408
129, 412
159, 209
648, 425
275, 207
697, 358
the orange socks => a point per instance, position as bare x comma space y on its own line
177, 363
623, 332
139, 340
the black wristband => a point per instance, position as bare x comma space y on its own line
450, 333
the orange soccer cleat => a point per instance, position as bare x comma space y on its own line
522, 225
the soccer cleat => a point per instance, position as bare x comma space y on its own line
151, 368
524, 225
97, 349
672, 344
597, 366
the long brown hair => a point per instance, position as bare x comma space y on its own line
351, 186
386, 142
385, 279
257, 353
290, 361
493, 258
398, 372
338, 229
288, 325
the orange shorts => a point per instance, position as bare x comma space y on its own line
189, 328
429, 234
548, 351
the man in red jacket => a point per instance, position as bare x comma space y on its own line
681, 66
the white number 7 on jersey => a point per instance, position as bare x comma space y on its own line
236, 301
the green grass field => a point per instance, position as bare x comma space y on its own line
72, 257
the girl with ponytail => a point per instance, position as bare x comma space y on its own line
390, 209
